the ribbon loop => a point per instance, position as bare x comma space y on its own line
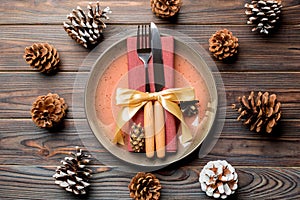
133, 100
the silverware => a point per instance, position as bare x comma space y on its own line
144, 50
144, 54
158, 65
159, 80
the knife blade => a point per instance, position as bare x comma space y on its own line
159, 81
158, 64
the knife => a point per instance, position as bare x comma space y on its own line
159, 82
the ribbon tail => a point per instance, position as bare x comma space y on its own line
118, 138
186, 133
174, 109
123, 117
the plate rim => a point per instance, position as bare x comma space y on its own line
107, 146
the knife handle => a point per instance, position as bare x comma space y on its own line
149, 129
159, 127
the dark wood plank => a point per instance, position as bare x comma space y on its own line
254, 52
19, 90
124, 11
22, 143
268, 165
36, 182
16, 100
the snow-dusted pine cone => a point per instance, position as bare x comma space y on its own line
48, 111
261, 113
189, 108
43, 57
73, 175
165, 8
86, 28
263, 14
137, 137
144, 186
218, 179
223, 44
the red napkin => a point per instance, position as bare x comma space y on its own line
136, 80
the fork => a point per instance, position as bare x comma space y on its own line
144, 53
143, 46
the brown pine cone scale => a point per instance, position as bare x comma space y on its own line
144, 186
165, 8
48, 111
43, 57
223, 44
261, 113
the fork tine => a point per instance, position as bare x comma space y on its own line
149, 37
144, 36
138, 38
144, 50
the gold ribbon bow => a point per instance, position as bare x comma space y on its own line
133, 100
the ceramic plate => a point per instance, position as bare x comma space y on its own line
189, 64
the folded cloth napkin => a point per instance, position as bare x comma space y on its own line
136, 80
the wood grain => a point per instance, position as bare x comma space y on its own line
124, 11
254, 50
26, 143
17, 96
254, 183
268, 165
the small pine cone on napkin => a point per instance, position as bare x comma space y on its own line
87, 28
144, 186
218, 179
137, 137
73, 175
165, 8
43, 57
48, 111
261, 113
263, 14
223, 44
189, 108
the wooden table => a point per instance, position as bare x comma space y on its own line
268, 165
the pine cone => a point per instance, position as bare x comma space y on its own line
73, 175
43, 57
137, 137
223, 44
264, 14
260, 113
47, 111
218, 179
189, 108
87, 28
165, 8
144, 186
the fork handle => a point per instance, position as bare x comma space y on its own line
147, 82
